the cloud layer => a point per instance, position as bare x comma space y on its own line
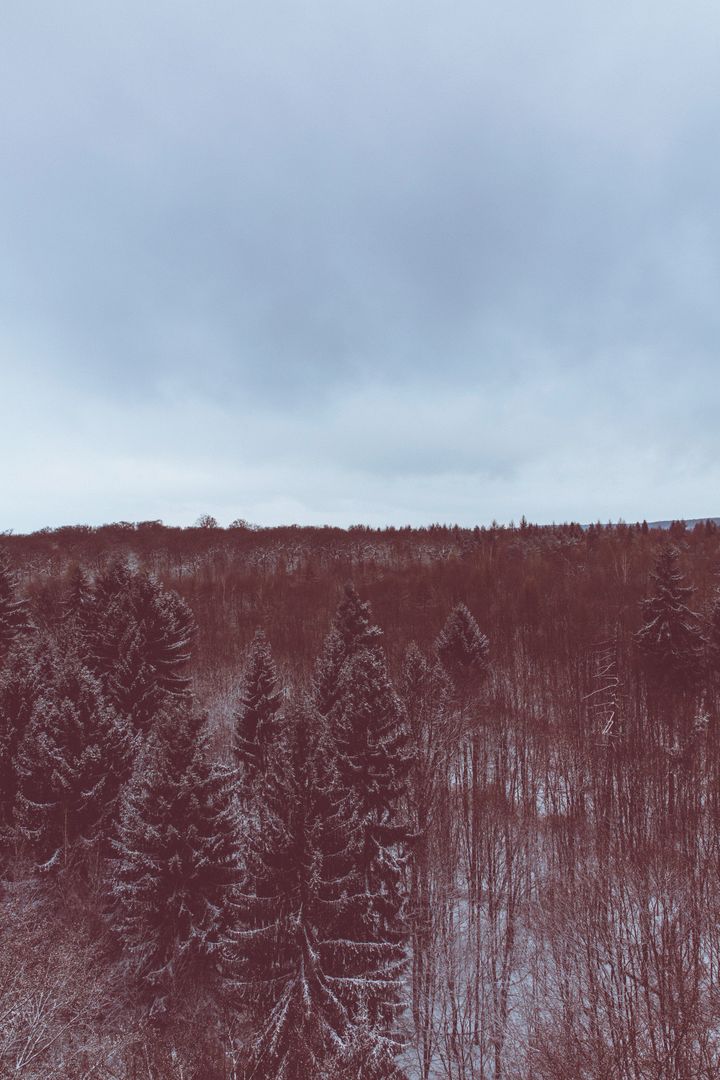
359, 261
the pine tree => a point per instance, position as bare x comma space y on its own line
28, 673
367, 1057
73, 757
369, 733
463, 650
13, 611
137, 637
307, 962
326, 677
671, 640
132, 681
374, 760
77, 591
170, 629
352, 629
257, 721
175, 865
353, 623
102, 613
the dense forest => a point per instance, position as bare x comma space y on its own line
396, 804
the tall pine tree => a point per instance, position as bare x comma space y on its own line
374, 759
73, 757
257, 721
175, 866
13, 610
308, 964
369, 733
28, 673
352, 629
137, 637
463, 650
671, 641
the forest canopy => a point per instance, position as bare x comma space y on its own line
383, 804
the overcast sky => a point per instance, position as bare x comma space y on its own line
340, 261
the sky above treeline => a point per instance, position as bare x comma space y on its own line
359, 261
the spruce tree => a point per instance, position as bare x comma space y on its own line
308, 964
352, 629
367, 1057
257, 720
175, 865
371, 734
170, 628
74, 755
326, 677
671, 641
28, 673
374, 760
463, 650
353, 622
132, 682
13, 611
77, 597
137, 637
370, 737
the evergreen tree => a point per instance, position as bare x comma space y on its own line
176, 864
352, 629
28, 673
77, 596
367, 1057
463, 650
72, 759
371, 734
307, 962
13, 611
137, 637
102, 619
169, 629
353, 623
370, 737
257, 721
671, 640
326, 677
132, 681
374, 759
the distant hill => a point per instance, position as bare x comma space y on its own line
690, 522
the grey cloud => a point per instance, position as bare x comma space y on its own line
364, 245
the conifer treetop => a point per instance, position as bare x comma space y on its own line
176, 863
257, 721
671, 639
309, 962
353, 622
463, 650
13, 610
352, 629
73, 757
